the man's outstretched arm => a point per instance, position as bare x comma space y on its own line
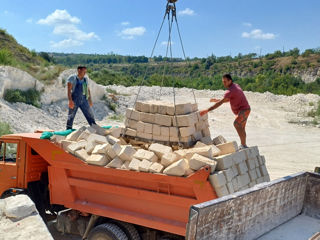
218, 104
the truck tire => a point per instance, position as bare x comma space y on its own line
129, 229
107, 231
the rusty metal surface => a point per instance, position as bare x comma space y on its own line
250, 213
312, 198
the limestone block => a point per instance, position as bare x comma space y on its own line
200, 144
163, 120
97, 138
148, 128
145, 107
147, 136
144, 165
138, 106
261, 160
238, 157
132, 114
58, 138
170, 110
235, 170
82, 154
252, 184
224, 161
194, 107
66, 143
84, 136
204, 151
76, 146
181, 153
252, 175
228, 173
115, 163
260, 180
263, 170
164, 131
257, 161
144, 154
19, 207
259, 175
162, 109
125, 165
131, 132
161, 138
112, 140
116, 132
197, 135
126, 153
169, 158
75, 134
266, 178
217, 179
187, 131
101, 149
201, 118
219, 140
147, 117
176, 169
156, 168
134, 164
215, 151
140, 127
154, 108
235, 184
160, 149
185, 120
187, 140
227, 148
188, 172
251, 164
183, 108
243, 180
114, 151
222, 191
156, 129
230, 187
173, 131
206, 132
197, 161
97, 159
207, 140
244, 187
99, 130
131, 123
242, 168
251, 152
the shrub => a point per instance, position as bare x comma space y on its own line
6, 57
30, 96
5, 128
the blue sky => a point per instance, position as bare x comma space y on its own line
129, 27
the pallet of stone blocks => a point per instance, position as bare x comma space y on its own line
231, 170
161, 122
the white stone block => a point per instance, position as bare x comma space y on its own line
230, 187
146, 136
169, 158
217, 179
148, 128
260, 180
176, 169
116, 132
125, 165
200, 144
144, 165
227, 148
261, 159
147, 117
130, 132
203, 151
207, 140
156, 168
185, 120
224, 161
75, 134
114, 151
242, 168
206, 132
144, 154
197, 161
222, 191
76, 146
251, 152
112, 140
161, 138
162, 109
97, 159
194, 107
183, 108
266, 178
235, 184
99, 130
259, 175
235, 170
252, 175
163, 120
219, 140
181, 153
243, 180
18, 207
82, 154
228, 173
129, 123
145, 107
197, 135
126, 153
187, 131
188, 172
215, 151
263, 170
138, 106
173, 132
132, 114
159, 149
134, 164
238, 157
164, 131
101, 149
156, 129
252, 184
251, 164
115, 163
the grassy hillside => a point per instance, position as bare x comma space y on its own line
39, 65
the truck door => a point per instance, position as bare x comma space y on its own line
8, 165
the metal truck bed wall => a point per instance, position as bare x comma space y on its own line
253, 212
152, 200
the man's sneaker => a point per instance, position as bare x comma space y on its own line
241, 147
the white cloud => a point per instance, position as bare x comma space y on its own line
125, 23
59, 17
247, 24
187, 12
29, 20
131, 33
258, 34
166, 42
66, 25
66, 43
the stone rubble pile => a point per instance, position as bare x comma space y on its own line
231, 170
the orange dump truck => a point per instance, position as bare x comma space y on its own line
106, 203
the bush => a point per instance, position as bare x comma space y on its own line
5, 128
31, 96
6, 57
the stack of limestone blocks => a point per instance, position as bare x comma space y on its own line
237, 170
157, 121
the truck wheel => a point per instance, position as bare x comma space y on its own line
107, 231
129, 229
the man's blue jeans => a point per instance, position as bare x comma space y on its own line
83, 104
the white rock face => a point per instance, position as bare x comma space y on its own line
19, 220
13, 78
